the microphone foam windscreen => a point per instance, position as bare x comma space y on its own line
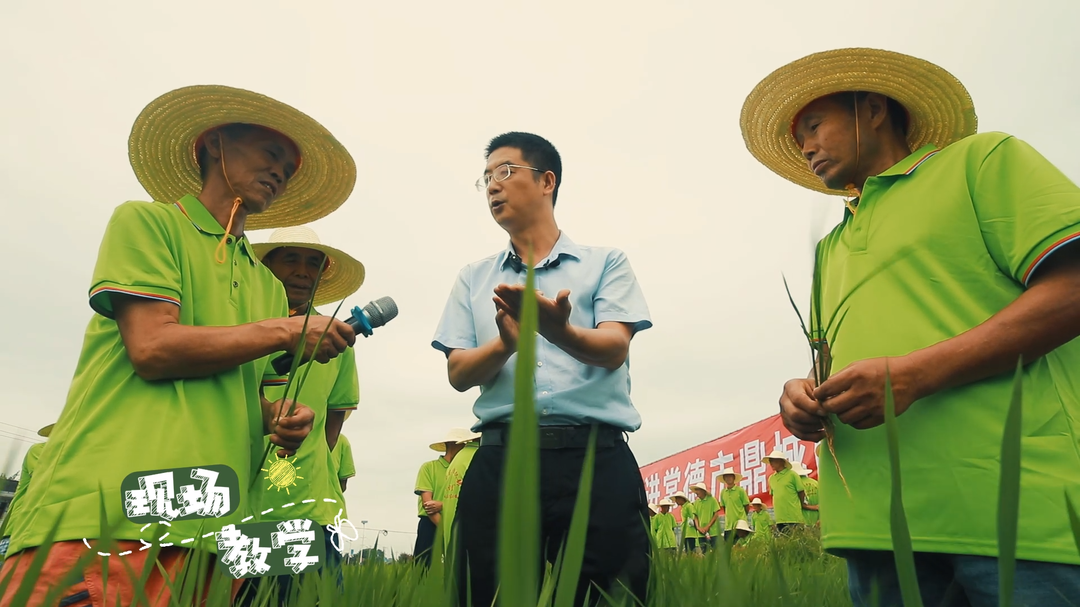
381, 311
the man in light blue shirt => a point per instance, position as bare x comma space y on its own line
582, 375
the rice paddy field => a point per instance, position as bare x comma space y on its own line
779, 572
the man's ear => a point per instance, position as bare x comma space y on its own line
549, 182
212, 142
879, 109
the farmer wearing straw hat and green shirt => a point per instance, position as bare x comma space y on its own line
342, 456
186, 321
663, 526
296, 255
706, 516
430, 486
30, 460
761, 519
956, 258
455, 476
810, 488
690, 533
733, 500
789, 496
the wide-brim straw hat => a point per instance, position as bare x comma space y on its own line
457, 435
678, 494
727, 471
802, 470
757, 502
666, 502
700, 486
654, 508
743, 525
163, 151
781, 456
46, 431
339, 280
940, 110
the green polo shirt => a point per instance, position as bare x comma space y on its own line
938, 245
330, 387
28, 467
115, 423
431, 477
734, 501
688, 528
663, 528
762, 522
343, 458
784, 486
810, 487
704, 509
455, 475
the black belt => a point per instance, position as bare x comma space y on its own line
555, 437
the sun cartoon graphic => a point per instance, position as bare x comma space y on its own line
282, 474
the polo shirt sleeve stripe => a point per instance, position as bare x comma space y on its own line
274, 381
1070, 239
1026, 207
136, 257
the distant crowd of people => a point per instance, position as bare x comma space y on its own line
706, 519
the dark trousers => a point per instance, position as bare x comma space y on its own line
617, 542
960, 580
425, 540
690, 543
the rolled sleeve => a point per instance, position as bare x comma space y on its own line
456, 330
136, 258
1027, 208
619, 297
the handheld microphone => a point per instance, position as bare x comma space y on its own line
363, 320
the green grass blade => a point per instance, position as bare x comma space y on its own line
901, 537
1009, 492
1074, 518
569, 572
519, 527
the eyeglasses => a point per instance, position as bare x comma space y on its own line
500, 173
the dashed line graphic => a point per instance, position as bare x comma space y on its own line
335, 529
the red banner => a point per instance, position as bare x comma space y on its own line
742, 450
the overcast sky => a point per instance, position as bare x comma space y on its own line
642, 100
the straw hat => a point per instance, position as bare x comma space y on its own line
801, 470
757, 502
700, 486
743, 525
163, 152
779, 455
666, 502
339, 280
729, 470
655, 509
457, 435
46, 431
940, 110
679, 494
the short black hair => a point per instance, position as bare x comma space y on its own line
535, 150
898, 115
231, 131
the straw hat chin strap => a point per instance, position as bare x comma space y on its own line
851, 203
220, 253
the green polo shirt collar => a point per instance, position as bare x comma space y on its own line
901, 169
912, 162
193, 209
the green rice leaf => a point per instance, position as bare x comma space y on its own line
901, 537
1074, 517
569, 571
1009, 492
519, 520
